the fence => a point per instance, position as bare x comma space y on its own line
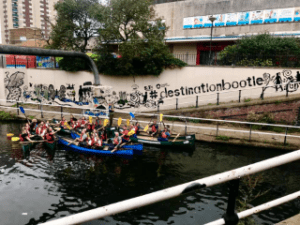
188, 58
230, 217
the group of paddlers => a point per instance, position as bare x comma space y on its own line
33, 131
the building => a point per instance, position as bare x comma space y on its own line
189, 34
20, 35
25, 14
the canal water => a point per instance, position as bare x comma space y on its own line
41, 186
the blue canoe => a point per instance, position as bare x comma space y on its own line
121, 153
137, 148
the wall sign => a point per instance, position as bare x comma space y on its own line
245, 18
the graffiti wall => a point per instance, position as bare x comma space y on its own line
146, 93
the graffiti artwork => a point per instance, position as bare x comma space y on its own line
13, 85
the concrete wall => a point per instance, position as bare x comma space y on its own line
174, 13
143, 93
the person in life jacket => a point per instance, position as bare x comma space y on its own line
90, 142
90, 127
83, 122
117, 140
50, 135
73, 125
103, 135
125, 136
39, 129
83, 137
78, 124
98, 141
164, 135
32, 125
98, 123
154, 128
72, 118
24, 136
62, 122
47, 124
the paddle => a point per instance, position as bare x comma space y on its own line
104, 124
23, 111
128, 122
24, 142
161, 119
116, 148
147, 127
176, 137
133, 116
90, 119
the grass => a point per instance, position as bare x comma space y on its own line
172, 119
31, 117
222, 138
7, 116
247, 100
277, 102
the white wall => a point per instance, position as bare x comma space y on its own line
143, 92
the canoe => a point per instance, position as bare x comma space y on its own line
184, 141
121, 153
137, 148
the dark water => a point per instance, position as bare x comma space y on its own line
38, 187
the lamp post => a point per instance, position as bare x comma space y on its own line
212, 19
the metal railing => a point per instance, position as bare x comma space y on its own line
188, 58
230, 217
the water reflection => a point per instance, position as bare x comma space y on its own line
37, 186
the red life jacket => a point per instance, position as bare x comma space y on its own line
49, 137
163, 135
21, 137
116, 141
126, 137
91, 127
98, 122
153, 128
136, 129
99, 143
83, 122
62, 123
38, 131
104, 137
78, 125
91, 142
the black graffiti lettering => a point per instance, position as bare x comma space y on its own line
254, 80
177, 92
224, 85
235, 86
243, 81
198, 88
203, 86
249, 81
259, 81
170, 93
219, 87
207, 88
182, 88
212, 85
191, 92
164, 92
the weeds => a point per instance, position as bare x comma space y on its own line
7, 116
222, 138
247, 100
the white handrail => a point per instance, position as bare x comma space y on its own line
175, 191
260, 208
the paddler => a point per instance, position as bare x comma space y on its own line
83, 138
98, 141
137, 128
50, 135
164, 135
154, 128
90, 127
125, 136
83, 122
62, 122
24, 136
117, 140
33, 125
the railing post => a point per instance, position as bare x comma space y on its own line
218, 96
42, 116
197, 101
250, 132
18, 112
286, 131
217, 131
176, 103
185, 127
61, 111
230, 217
240, 95
287, 90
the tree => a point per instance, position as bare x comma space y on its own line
132, 25
74, 25
262, 50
